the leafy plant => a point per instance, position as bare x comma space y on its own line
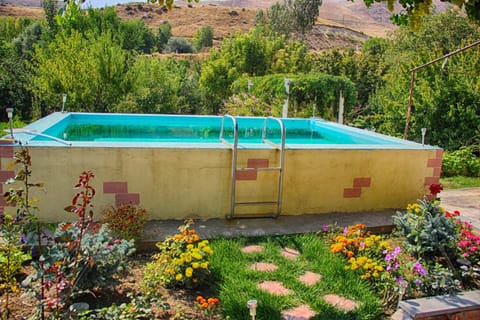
127, 221
183, 260
178, 45
249, 105
82, 256
203, 38
462, 162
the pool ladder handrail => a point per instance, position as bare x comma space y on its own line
280, 168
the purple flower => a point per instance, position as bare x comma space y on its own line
418, 282
396, 265
22, 239
419, 268
399, 279
325, 227
362, 244
345, 231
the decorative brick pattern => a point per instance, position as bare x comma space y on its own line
257, 163
356, 190
352, 192
246, 175
362, 182
436, 165
6, 151
127, 198
5, 175
115, 187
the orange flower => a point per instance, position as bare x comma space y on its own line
199, 298
192, 231
204, 305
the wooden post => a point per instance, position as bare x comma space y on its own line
341, 107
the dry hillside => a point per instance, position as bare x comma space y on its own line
341, 23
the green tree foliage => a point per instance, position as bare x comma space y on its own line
14, 82
91, 69
446, 97
25, 42
162, 86
365, 68
293, 15
164, 33
203, 38
254, 54
415, 10
50, 10
11, 27
311, 94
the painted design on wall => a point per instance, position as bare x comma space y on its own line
356, 190
120, 190
6, 152
436, 165
251, 175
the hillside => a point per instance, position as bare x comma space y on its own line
341, 23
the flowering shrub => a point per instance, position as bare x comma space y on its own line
126, 221
468, 242
183, 260
208, 307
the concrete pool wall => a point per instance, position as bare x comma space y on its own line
175, 183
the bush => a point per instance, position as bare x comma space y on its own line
203, 38
178, 45
126, 221
183, 260
462, 162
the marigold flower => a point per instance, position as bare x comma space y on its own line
179, 277
195, 265
188, 272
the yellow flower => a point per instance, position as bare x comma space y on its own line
196, 254
189, 246
204, 265
195, 265
188, 272
208, 250
188, 258
178, 277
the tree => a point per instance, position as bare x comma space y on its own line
50, 10
91, 69
415, 10
203, 38
164, 33
178, 45
446, 95
305, 13
293, 15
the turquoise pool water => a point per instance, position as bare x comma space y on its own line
78, 127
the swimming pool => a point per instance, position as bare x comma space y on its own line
213, 166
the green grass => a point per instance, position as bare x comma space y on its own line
460, 182
237, 283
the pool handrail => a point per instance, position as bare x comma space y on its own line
234, 170
35, 133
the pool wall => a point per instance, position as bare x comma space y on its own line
175, 183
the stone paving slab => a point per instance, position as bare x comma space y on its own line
467, 201
302, 312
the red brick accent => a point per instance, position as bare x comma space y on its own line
361, 182
437, 172
246, 175
6, 152
352, 192
431, 180
115, 187
439, 154
257, 163
5, 175
434, 163
127, 198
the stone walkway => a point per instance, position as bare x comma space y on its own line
467, 201
309, 278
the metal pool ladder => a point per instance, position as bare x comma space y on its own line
234, 146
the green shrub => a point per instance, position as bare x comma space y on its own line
178, 45
462, 162
203, 38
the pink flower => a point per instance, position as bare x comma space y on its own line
473, 249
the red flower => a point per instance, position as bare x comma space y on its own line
435, 188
